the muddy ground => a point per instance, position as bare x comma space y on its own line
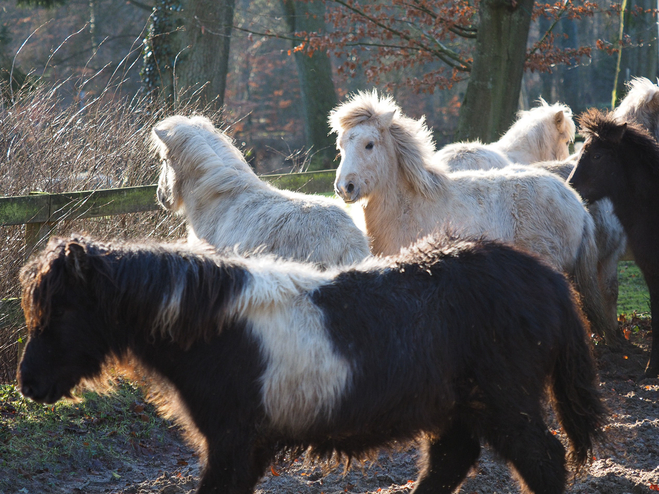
629, 463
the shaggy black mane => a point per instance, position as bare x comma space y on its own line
597, 124
143, 278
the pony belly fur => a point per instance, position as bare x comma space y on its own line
454, 342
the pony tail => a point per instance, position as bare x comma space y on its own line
578, 405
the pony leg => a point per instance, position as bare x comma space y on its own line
535, 454
652, 369
234, 471
608, 280
448, 460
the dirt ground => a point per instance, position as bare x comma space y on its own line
627, 464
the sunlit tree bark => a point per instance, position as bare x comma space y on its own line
492, 94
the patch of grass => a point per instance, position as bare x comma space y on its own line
633, 295
98, 433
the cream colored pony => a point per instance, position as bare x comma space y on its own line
205, 178
386, 164
541, 134
541, 137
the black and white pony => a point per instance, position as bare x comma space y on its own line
454, 344
620, 161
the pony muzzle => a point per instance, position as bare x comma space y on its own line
347, 190
38, 391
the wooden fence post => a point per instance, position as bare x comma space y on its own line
35, 235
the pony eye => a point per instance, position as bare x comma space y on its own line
369, 145
596, 156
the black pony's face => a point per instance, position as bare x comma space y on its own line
58, 357
67, 349
596, 171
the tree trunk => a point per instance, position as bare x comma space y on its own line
492, 94
160, 50
201, 69
315, 76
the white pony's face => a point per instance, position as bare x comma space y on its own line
564, 135
366, 151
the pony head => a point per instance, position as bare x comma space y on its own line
543, 133
192, 151
376, 140
640, 105
59, 310
611, 148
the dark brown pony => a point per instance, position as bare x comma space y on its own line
620, 161
455, 344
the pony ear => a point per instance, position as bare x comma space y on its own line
653, 100
161, 134
386, 118
559, 119
616, 134
76, 260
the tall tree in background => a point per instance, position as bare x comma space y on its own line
9, 72
451, 41
492, 96
160, 56
315, 76
203, 49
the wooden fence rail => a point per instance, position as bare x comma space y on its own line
40, 212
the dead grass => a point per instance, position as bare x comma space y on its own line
49, 147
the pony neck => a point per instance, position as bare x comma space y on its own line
393, 213
635, 201
214, 190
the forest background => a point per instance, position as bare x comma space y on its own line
276, 68
82, 82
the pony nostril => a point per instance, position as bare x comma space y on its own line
350, 188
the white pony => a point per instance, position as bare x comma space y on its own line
541, 134
541, 137
205, 178
640, 105
386, 163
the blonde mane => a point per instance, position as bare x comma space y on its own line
412, 139
199, 148
641, 105
535, 129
